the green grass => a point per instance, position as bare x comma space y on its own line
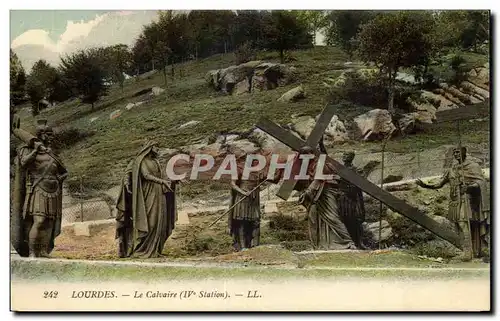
41, 271
103, 156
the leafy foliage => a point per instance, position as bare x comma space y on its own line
394, 40
284, 31
86, 73
17, 80
344, 26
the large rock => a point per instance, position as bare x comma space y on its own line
293, 94
267, 142
371, 230
375, 124
449, 96
242, 87
242, 147
190, 123
249, 77
336, 132
480, 77
475, 90
303, 125
444, 104
225, 139
157, 91
464, 98
426, 112
115, 114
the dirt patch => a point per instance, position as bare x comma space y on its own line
280, 235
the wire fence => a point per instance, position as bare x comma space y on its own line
384, 165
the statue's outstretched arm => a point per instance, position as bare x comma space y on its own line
442, 182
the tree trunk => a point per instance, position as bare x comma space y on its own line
282, 56
172, 71
390, 90
165, 75
92, 108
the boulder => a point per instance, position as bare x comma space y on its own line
189, 124
115, 114
242, 87
93, 119
375, 124
267, 142
129, 106
157, 91
480, 77
303, 125
474, 89
336, 132
224, 139
444, 104
293, 95
449, 96
212, 78
242, 147
371, 230
249, 77
464, 98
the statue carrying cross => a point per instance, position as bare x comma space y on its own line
352, 177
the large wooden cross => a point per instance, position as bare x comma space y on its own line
352, 177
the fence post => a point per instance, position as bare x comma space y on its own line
381, 204
81, 198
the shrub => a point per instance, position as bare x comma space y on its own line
245, 53
68, 137
369, 90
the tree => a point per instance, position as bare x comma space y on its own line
316, 20
283, 31
394, 40
17, 80
142, 57
85, 72
462, 28
157, 43
343, 27
38, 84
119, 59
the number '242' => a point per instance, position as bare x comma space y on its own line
50, 294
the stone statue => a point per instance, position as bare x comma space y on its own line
326, 227
351, 204
37, 199
468, 204
244, 217
146, 207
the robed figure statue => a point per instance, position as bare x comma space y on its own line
468, 203
146, 207
37, 199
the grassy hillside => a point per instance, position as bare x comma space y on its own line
109, 144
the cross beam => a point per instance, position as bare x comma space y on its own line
365, 185
313, 140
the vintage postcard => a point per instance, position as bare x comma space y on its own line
250, 160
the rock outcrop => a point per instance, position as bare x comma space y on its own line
251, 76
375, 124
